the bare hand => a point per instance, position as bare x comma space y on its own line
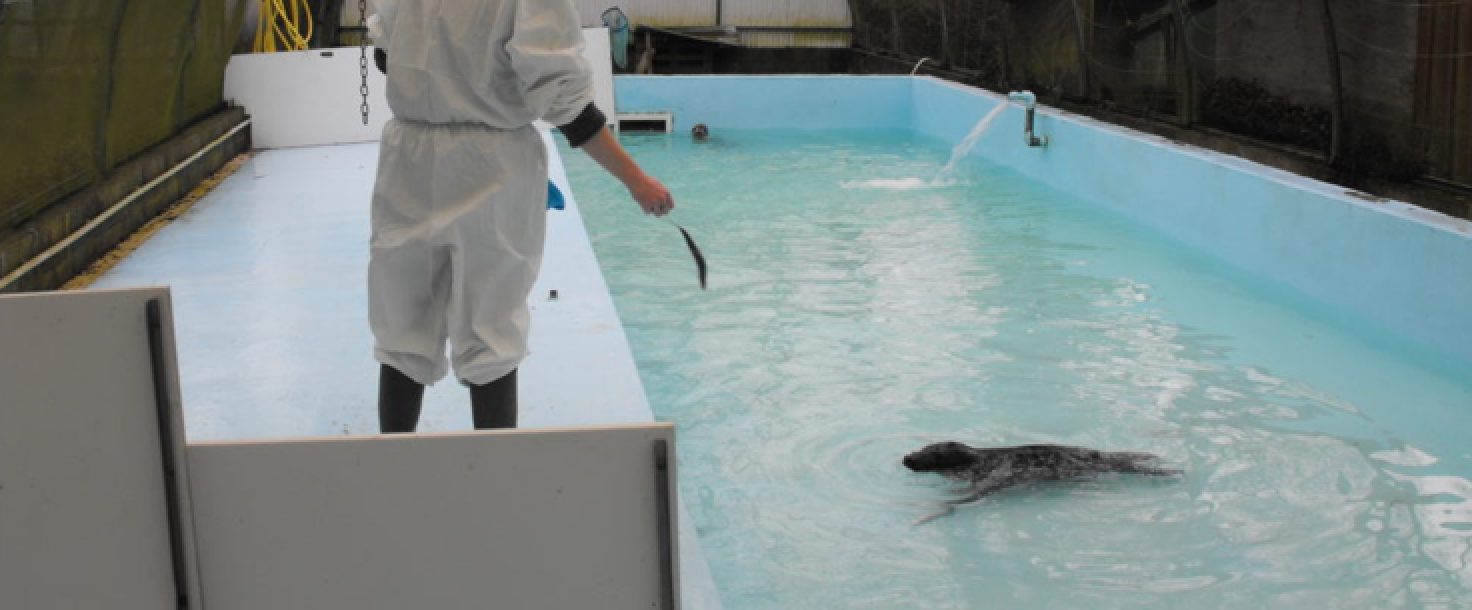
652, 196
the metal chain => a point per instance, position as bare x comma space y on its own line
363, 57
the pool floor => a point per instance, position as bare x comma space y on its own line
859, 309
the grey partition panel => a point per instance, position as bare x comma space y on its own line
89, 517
526, 519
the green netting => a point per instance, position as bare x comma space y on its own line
86, 85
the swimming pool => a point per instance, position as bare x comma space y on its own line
847, 324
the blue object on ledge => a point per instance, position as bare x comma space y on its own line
554, 196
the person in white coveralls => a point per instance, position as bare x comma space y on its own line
459, 205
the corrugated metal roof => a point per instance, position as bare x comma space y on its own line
809, 13
659, 13
765, 13
788, 39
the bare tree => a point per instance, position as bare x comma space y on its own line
945, 32
1336, 111
1085, 69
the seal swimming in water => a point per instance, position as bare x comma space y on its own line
989, 470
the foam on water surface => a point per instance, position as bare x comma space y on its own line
893, 184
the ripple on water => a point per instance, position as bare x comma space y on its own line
841, 333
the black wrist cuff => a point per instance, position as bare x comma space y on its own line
589, 122
380, 59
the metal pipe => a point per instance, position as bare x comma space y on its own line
164, 410
917, 65
663, 513
56, 248
1026, 97
1029, 103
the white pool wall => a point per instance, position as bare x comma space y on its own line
1394, 265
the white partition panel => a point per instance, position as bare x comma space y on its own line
527, 519
85, 500
307, 98
313, 98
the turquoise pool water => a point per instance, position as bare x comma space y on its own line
855, 314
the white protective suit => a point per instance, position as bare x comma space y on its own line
459, 207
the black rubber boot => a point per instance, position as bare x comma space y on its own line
493, 405
399, 401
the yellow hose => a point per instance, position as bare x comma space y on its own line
281, 26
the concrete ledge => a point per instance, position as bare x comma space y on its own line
58, 221
270, 309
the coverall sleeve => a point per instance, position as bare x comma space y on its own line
546, 51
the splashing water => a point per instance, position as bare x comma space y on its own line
964, 148
942, 178
892, 184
